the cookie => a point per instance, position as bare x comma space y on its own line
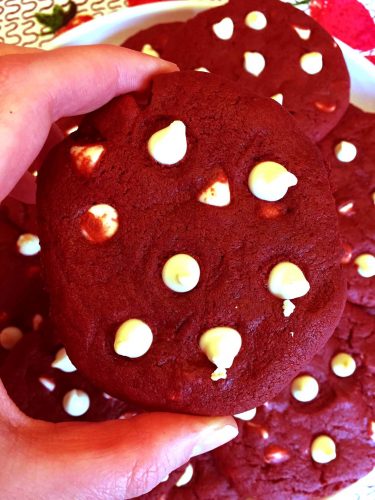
152, 41
174, 282
23, 302
274, 50
44, 384
20, 214
199, 479
349, 151
316, 437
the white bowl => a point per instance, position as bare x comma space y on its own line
116, 27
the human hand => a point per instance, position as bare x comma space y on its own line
115, 459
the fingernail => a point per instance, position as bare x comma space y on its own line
213, 437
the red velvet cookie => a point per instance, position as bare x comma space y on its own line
349, 151
316, 437
152, 41
174, 282
273, 49
23, 302
44, 384
200, 479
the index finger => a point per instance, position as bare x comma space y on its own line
38, 88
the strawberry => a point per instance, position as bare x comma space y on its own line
60, 20
76, 21
348, 20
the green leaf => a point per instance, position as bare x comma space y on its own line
58, 17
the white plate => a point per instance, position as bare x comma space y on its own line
116, 27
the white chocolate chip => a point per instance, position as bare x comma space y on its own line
28, 244
221, 345
256, 20
70, 130
254, 63
343, 365
312, 62
287, 281
10, 336
304, 388
202, 70
278, 98
181, 273
323, 449
247, 415
346, 208
165, 478
303, 33
224, 29
365, 265
133, 339
186, 476
62, 362
48, 383
168, 145
288, 308
76, 402
37, 321
270, 181
345, 151
86, 157
217, 195
99, 223
149, 50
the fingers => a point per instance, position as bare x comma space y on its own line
116, 460
38, 88
6, 49
25, 189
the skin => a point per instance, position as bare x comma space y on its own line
118, 459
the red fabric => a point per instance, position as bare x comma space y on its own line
347, 20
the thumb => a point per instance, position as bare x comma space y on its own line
115, 459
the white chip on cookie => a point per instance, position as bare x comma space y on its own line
254, 63
168, 145
221, 345
181, 273
224, 29
270, 181
312, 63
133, 338
287, 281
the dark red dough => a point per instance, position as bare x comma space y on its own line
31, 359
96, 287
20, 214
316, 101
207, 483
156, 36
163, 489
355, 182
21, 289
343, 409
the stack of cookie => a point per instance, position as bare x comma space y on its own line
197, 242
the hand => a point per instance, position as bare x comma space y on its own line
115, 459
